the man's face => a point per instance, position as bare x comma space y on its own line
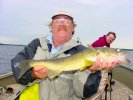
110, 38
62, 27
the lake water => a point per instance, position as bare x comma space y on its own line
130, 57
7, 52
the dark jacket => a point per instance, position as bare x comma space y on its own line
101, 42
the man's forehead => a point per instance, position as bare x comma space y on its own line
111, 35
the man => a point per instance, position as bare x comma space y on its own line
68, 86
106, 41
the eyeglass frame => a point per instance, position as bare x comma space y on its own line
62, 20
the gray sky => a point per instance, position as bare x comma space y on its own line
23, 20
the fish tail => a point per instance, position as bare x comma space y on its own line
24, 66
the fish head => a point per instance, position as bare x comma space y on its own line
109, 54
118, 55
122, 57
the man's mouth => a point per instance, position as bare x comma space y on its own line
61, 29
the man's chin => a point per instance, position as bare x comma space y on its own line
63, 39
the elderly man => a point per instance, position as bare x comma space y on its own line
69, 85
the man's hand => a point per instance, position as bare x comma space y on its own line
39, 72
102, 64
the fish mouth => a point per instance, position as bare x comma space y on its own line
127, 61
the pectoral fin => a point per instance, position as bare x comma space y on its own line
86, 64
53, 73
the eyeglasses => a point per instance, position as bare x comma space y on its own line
62, 20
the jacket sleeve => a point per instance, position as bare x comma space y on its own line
92, 83
27, 53
98, 43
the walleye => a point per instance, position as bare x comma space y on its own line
79, 61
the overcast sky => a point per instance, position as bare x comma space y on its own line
23, 20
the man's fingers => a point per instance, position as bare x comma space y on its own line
39, 72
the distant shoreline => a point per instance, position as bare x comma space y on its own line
25, 45
127, 49
13, 44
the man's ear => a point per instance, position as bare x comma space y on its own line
73, 32
50, 27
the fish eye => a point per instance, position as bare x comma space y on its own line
118, 50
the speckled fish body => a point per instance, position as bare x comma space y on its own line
79, 61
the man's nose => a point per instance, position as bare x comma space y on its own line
62, 22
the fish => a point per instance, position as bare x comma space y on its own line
79, 61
